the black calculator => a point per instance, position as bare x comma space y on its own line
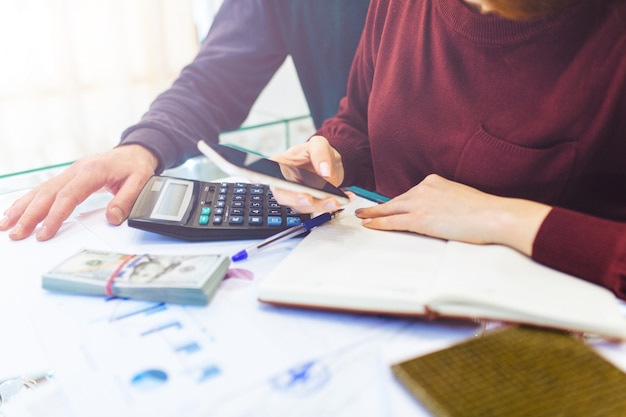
207, 211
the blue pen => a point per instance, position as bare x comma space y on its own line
285, 234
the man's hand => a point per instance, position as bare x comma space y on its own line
123, 171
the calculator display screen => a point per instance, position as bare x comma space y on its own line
174, 198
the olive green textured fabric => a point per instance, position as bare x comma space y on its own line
516, 371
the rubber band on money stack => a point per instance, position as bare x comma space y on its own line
108, 289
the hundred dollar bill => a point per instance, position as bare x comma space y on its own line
182, 279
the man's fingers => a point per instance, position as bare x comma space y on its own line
62, 205
13, 213
31, 213
122, 203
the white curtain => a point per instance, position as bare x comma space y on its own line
75, 73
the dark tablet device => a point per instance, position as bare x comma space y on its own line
261, 170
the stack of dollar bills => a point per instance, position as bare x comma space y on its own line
180, 279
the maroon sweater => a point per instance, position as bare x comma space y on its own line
533, 109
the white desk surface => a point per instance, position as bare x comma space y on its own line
234, 357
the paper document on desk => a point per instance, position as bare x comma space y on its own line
343, 265
181, 279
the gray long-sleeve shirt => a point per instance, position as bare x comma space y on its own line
248, 41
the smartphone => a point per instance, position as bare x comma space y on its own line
264, 171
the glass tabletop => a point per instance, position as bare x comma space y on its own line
251, 137
199, 168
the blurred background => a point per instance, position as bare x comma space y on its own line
76, 73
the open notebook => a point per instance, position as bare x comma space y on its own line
345, 266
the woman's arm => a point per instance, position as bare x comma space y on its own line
348, 131
581, 245
449, 210
589, 247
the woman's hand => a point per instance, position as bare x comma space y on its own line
123, 171
315, 155
445, 209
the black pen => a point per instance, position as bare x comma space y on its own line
285, 234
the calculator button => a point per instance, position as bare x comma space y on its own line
293, 221
274, 221
274, 212
236, 212
219, 210
239, 197
220, 203
205, 194
255, 221
256, 198
221, 197
203, 219
256, 212
235, 220
237, 204
205, 210
256, 190
217, 219
239, 190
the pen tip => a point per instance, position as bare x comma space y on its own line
239, 256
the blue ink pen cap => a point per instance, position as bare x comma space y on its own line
239, 256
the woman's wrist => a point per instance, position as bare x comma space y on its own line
518, 222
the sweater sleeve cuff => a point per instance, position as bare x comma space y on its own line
588, 247
356, 160
156, 142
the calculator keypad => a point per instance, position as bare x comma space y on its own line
229, 205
